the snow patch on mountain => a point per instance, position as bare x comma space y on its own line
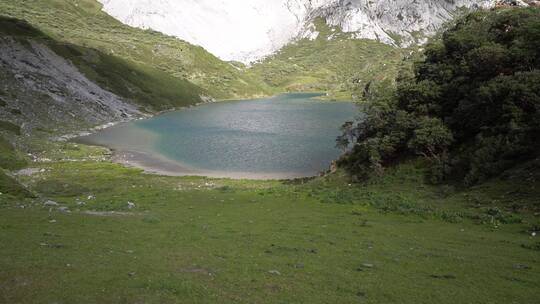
247, 30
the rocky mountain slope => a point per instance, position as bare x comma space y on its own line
57, 87
46, 90
234, 30
83, 24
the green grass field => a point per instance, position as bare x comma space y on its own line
198, 240
77, 228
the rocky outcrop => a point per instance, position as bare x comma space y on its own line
42, 90
396, 22
518, 3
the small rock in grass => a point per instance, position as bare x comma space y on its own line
52, 221
64, 209
55, 246
130, 205
50, 203
274, 272
367, 265
521, 266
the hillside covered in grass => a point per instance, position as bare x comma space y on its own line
333, 62
143, 85
42, 91
82, 24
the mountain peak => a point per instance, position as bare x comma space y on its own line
240, 31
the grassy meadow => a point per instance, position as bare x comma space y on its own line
118, 235
334, 62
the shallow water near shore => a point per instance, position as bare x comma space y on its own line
287, 136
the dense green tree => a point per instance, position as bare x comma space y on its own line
471, 106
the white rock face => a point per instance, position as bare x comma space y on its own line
384, 20
241, 30
247, 30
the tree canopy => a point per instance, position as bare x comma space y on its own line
471, 106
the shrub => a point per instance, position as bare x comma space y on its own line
471, 107
9, 185
9, 159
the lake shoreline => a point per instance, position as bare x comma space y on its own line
152, 164
126, 148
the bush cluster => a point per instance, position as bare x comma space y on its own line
471, 106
